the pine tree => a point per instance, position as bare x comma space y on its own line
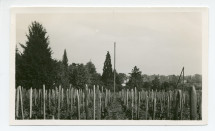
36, 57
107, 76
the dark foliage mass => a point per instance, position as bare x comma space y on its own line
135, 79
35, 63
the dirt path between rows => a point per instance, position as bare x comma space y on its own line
115, 111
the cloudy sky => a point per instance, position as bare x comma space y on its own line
157, 42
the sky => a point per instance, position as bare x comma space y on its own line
157, 42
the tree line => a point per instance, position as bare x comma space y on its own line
35, 67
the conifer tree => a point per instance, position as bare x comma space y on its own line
65, 59
36, 58
63, 72
107, 76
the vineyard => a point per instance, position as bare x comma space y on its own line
51, 89
98, 103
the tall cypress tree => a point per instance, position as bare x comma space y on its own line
64, 74
107, 76
36, 57
65, 59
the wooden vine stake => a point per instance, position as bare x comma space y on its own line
44, 102
177, 104
71, 101
127, 99
56, 98
49, 99
67, 101
109, 95
147, 108
59, 101
78, 105
94, 103
20, 91
62, 98
30, 102
138, 108
83, 100
100, 105
135, 101
40, 103
154, 108
17, 101
161, 103
106, 97
35, 96
181, 105
168, 101
132, 103
193, 104
200, 107
86, 103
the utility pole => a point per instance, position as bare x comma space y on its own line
114, 84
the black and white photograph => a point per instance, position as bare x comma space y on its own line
108, 66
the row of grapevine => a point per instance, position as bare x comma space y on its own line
94, 104
171, 105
